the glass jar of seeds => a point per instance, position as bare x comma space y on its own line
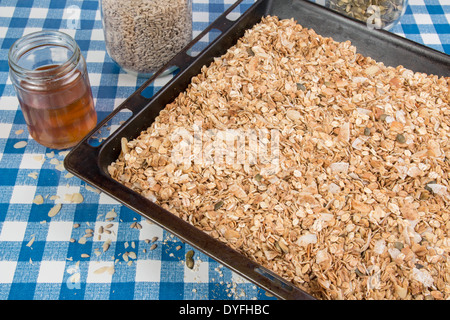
377, 14
141, 36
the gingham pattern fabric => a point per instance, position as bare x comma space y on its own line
41, 257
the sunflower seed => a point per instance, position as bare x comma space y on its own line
20, 144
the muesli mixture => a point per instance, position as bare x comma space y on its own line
355, 202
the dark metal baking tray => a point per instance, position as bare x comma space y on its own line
89, 162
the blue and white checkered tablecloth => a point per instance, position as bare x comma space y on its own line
44, 257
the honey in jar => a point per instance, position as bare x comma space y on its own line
52, 85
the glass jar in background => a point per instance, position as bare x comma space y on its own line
143, 35
52, 85
378, 14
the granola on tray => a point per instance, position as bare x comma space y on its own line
353, 200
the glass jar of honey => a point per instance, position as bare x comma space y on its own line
50, 78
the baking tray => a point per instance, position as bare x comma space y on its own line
89, 161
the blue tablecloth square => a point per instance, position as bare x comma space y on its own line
21, 291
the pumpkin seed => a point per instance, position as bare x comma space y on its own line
218, 205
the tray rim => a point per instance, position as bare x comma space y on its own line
275, 285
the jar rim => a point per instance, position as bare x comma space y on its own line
38, 39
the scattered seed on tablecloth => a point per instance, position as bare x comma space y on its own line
33, 175
54, 211
74, 197
110, 215
38, 199
107, 269
153, 246
85, 255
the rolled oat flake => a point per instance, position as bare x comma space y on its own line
143, 35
